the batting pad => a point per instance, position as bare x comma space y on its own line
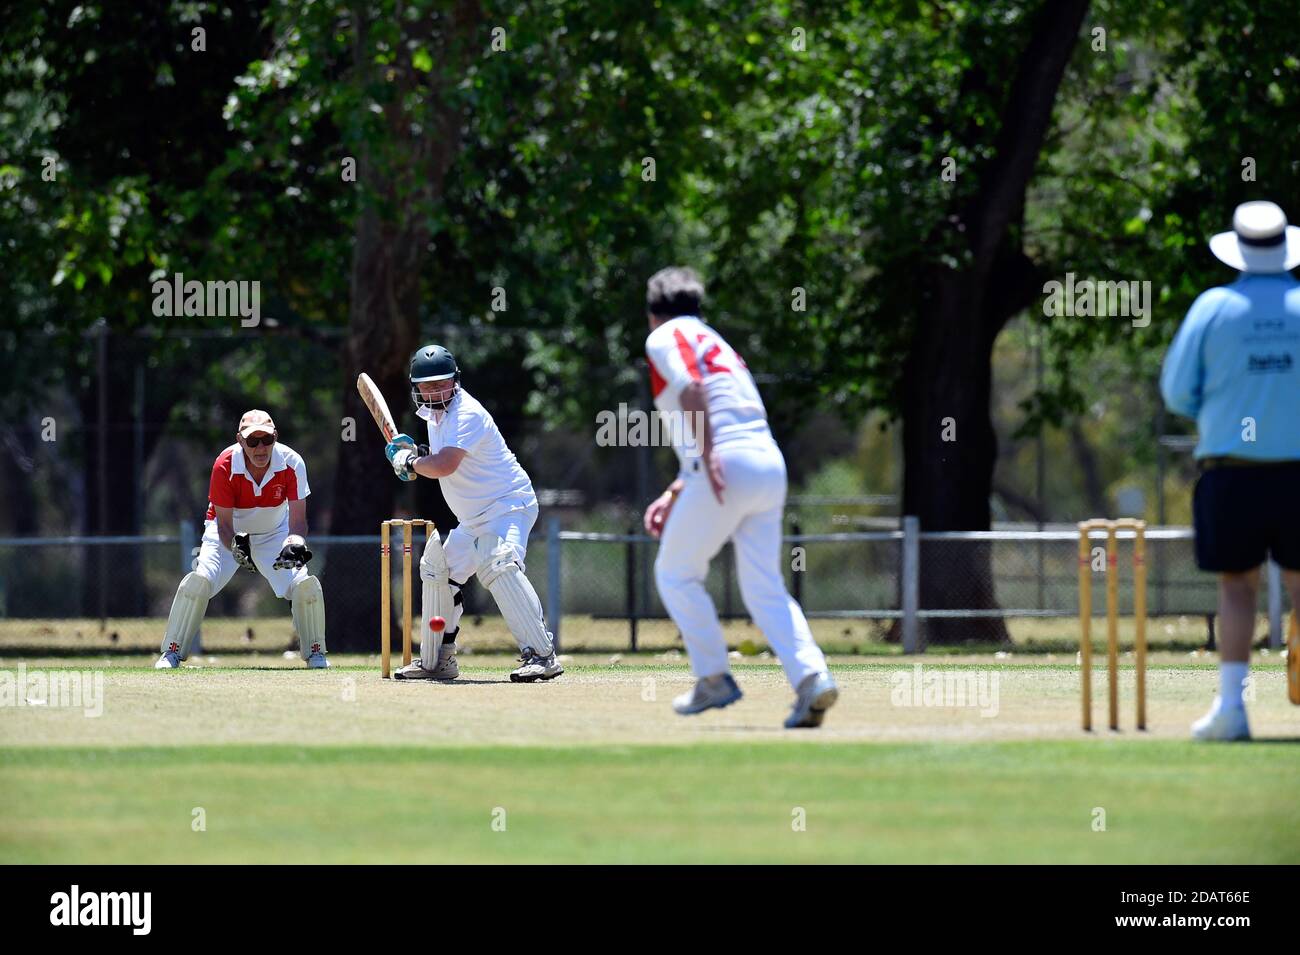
435, 600
188, 607
511, 589
308, 603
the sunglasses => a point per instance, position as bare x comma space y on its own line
256, 442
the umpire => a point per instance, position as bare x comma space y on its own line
1234, 366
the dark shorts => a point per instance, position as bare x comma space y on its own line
1244, 515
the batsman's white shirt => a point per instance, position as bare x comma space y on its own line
489, 482
680, 351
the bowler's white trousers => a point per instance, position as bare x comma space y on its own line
750, 516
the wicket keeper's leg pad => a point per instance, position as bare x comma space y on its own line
188, 607
308, 602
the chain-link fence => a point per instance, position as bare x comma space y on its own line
75, 592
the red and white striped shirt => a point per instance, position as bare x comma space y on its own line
685, 349
260, 507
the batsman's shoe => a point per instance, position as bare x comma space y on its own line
534, 667
316, 660
709, 692
171, 660
414, 671
1222, 723
447, 668
817, 693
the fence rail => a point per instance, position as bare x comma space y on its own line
872, 575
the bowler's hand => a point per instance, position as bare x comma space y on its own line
657, 513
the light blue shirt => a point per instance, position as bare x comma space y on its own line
1237, 357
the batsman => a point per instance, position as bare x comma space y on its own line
492, 497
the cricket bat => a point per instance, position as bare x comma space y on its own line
377, 405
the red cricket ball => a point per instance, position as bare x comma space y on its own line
437, 624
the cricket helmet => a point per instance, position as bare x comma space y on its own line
433, 363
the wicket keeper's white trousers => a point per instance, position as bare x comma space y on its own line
750, 516
218, 565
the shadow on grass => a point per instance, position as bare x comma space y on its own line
459, 681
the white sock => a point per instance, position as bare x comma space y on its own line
1231, 678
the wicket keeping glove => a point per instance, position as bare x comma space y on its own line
243, 553
293, 554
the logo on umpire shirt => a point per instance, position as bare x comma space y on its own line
1270, 364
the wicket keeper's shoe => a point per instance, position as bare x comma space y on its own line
1222, 723
535, 667
709, 692
817, 693
316, 659
170, 660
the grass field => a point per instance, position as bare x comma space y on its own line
27, 637
283, 764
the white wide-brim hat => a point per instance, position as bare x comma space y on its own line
1260, 240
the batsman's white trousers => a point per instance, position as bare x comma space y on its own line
475, 548
750, 516
513, 527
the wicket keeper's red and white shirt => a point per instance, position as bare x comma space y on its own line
259, 507
685, 349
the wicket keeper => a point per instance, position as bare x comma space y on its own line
257, 520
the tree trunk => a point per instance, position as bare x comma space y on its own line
949, 451
17, 478
949, 444
383, 333
389, 257
112, 581
1085, 459
117, 585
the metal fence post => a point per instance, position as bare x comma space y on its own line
728, 568
188, 537
631, 587
554, 555
911, 572
1274, 605
796, 576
